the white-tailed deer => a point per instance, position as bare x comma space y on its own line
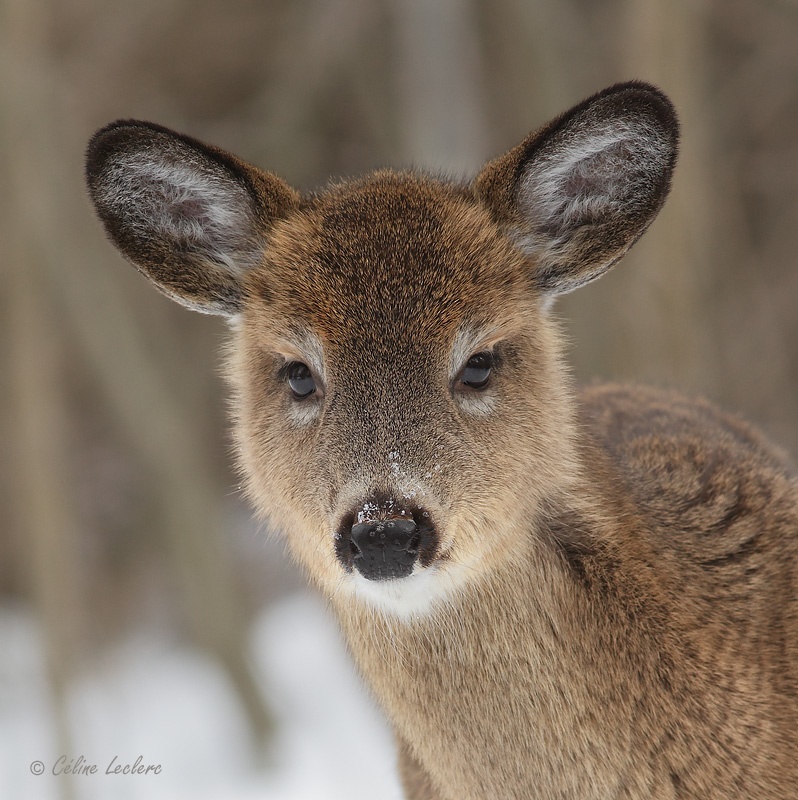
551, 594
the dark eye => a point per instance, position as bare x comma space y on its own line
300, 380
476, 372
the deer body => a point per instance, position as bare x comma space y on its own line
551, 595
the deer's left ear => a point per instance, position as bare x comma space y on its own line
576, 194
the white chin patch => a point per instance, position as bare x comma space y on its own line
414, 596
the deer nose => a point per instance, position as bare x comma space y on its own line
385, 549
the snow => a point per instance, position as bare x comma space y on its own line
173, 707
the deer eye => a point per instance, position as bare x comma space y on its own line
300, 379
476, 373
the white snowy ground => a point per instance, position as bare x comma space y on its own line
174, 708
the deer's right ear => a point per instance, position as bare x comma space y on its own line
189, 216
576, 194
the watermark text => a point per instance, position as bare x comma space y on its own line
80, 765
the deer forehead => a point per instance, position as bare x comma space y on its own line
396, 264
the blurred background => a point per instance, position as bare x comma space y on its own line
142, 612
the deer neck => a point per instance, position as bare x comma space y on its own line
531, 659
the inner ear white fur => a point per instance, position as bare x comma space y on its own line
590, 175
196, 204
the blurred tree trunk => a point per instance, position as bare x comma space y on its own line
287, 119
46, 175
439, 85
670, 301
44, 516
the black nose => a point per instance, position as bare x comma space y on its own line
385, 549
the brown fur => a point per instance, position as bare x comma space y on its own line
613, 574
